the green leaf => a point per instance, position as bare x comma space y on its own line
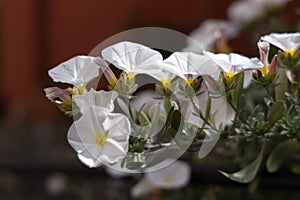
280, 154
143, 118
124, 107
208, 107
248, 173
238, 82
177, 120
275, 113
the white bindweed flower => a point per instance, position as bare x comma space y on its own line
117, 174
61, 98
268, 69
174, 176
77, 71
204, 37
100, 137
133, 58
189, 66
101, 98
288, 42
246, 11
163, 76
232, 64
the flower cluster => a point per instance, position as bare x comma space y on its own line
197, 100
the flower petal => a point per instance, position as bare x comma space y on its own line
174, 176
284, 41
76, 71
96, 98
131, 57
188, 63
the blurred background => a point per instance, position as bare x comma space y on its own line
36, 161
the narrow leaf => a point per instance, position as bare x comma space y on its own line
238, 82
123, 106
275, 113
280, 154
248, 173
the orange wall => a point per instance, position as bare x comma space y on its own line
39, 34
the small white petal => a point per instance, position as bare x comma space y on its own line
284, 41
188, 63
132, 57
76, 71
88, 159
174, 176
113, 151
101, 98
142, 188
114, 173
233, 62
207, 33
243, 12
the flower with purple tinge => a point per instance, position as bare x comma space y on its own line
100, 137
189, 66
77, 71
232, 64
174, 176
204, 37
268, 69
288, 42
100, 98
61, 98
133, 58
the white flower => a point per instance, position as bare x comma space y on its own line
288, 42
163, 76
232, 63
61, 98
133, 58
175, 176
268, 69
117, 174
246, 11
207, 33
100, 137
77, 71
243, 12
101, 98
188, 65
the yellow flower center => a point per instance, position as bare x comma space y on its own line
189, 81
265, 69
68, 102
166, 82
168, 180
79, 90
131, 76
292, 52
101, 139
229, 75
